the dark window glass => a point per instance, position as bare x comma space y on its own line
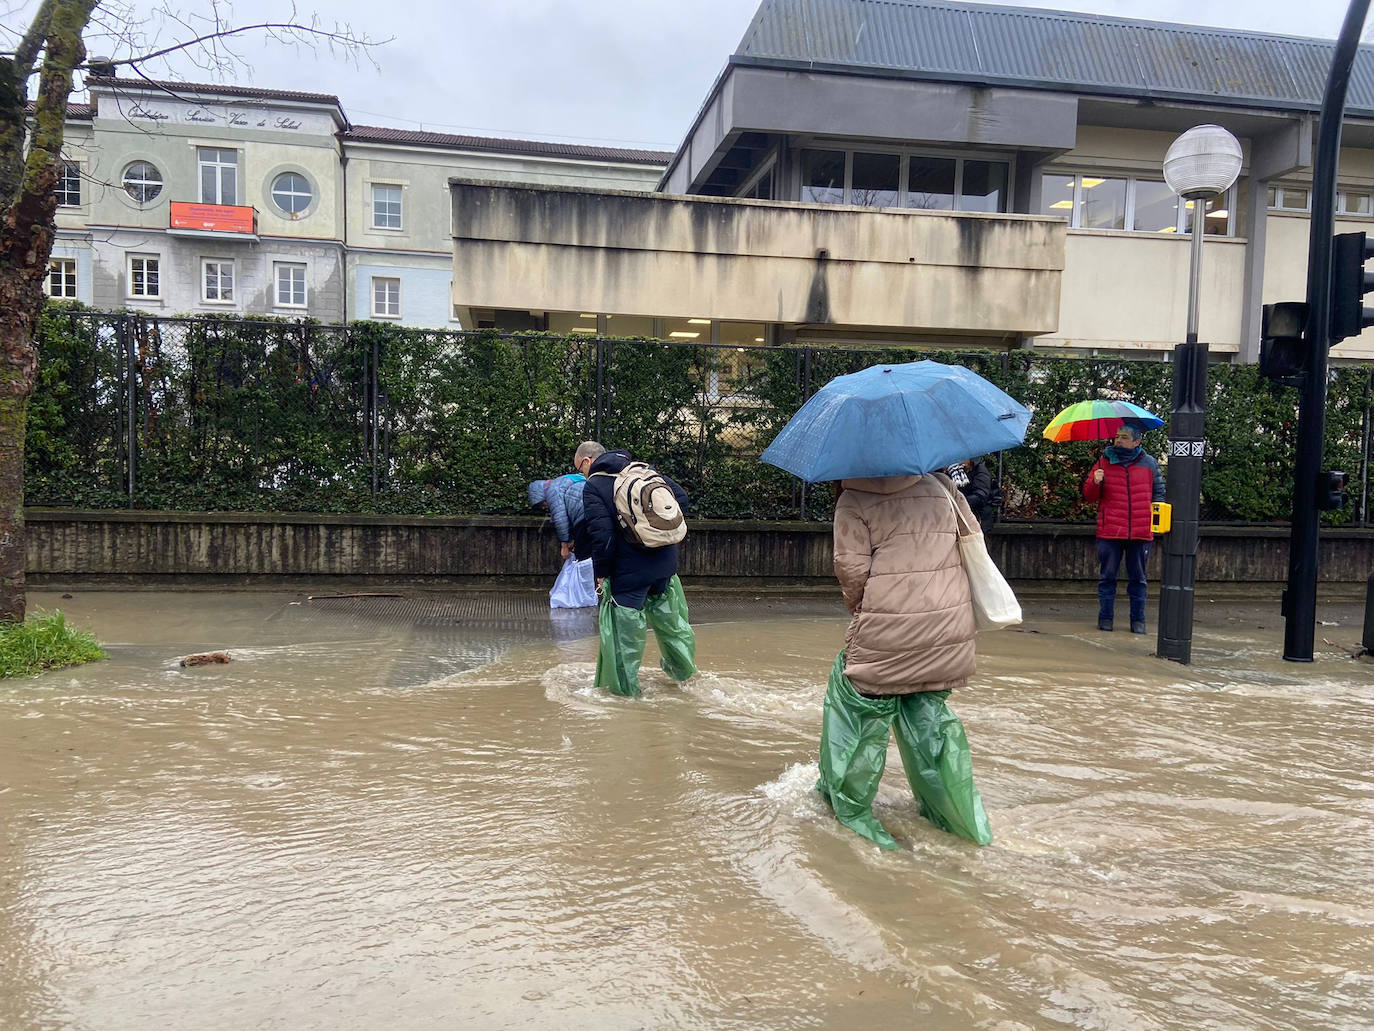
930, 183
823, 176
985, 186
876, 180
1056, 194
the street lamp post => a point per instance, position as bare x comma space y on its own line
1201, 164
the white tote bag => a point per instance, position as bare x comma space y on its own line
994, 604
575, 587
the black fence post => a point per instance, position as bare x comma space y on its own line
600, 385
373, 408
806, 396
125, 335
1364, 452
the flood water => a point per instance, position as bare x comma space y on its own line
405, 814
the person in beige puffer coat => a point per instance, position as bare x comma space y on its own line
910, 642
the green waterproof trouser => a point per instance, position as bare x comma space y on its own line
934, 751
623, 631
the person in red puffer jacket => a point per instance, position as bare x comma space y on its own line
1123, 483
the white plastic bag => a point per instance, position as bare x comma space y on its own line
575, 587
994, 603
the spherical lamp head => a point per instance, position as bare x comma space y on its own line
1203, 162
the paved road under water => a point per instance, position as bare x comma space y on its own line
417, 813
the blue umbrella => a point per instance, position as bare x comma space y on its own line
895, 419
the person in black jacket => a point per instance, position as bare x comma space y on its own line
975, 483
639, 586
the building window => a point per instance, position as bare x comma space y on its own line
931, 183
219, 175
69, 185
290, 284
145, 276
985, 186
890, 180
386, 206
216, 281
62, 277
876, 180
1290, 198
762, 186
1104, 203
1090, 200
386, 297
142, 181
1354, 202
291, 193
822, 177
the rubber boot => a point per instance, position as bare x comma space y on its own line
677, 643
854, 733
939, 768
622, 646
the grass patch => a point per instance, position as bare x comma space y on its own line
43, 643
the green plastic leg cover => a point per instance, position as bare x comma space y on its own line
853, 752
677, 644
934, 750
622, 646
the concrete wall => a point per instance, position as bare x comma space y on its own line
754, 261
71, 546
1129, 291
1285, 269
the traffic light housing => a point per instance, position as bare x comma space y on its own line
1283, 344
1331, 488
1349, 283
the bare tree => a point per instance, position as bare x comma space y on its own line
52, 49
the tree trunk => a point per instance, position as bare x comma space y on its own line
12, 552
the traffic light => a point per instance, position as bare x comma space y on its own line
1283, 348
1349, 283
1331, 488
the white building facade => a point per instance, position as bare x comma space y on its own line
180, 198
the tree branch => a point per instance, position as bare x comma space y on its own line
346, 39
26, 54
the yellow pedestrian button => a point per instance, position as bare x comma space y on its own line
1161, 516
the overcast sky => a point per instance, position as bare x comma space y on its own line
622, 72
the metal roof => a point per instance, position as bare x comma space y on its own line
500, 145
1081, 53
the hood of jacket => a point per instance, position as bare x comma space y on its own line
880, 484
610, 462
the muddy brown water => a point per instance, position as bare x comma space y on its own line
418, 813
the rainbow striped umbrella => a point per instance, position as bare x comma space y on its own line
1098, 420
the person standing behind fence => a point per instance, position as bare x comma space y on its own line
639, 586
1123, 483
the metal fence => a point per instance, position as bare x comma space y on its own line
244, 414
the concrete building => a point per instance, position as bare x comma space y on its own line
941, 173
183, 198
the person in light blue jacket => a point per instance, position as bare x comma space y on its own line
563, 498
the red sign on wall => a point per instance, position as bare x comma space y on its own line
219, 218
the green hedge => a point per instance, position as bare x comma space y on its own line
243, 414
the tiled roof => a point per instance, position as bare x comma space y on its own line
174, 88
380, 134
80, 112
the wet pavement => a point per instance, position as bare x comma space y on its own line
417, 812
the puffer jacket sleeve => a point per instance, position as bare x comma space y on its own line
1158, 487
601, 529
1093, 491
558, 512
853, 550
